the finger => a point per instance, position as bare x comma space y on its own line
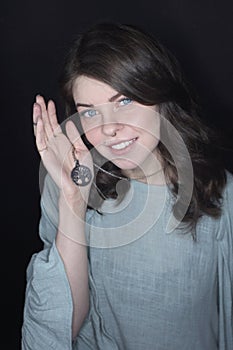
74, 137
41, 142
47, 126
53, 118
36, 114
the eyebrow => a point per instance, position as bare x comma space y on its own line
111, 99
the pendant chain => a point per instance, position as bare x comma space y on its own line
125, 178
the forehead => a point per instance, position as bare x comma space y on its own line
91, 91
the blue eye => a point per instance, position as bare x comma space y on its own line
125, 101
89, 113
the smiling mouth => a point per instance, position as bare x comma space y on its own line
123, 145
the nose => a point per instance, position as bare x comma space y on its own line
111, 129
110, 123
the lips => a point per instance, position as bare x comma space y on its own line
122, 144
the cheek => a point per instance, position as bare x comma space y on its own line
151, 130
149, 123
155, 126
155, 129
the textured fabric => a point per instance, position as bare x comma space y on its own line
149, 289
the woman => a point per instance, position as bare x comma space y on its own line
136, 212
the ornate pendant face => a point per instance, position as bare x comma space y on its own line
81, 174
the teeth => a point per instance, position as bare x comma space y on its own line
122, 144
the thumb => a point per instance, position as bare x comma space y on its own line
74, 136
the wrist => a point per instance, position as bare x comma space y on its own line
72, 205
72, 213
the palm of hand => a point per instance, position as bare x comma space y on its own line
57, 150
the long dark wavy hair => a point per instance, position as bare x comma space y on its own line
135, 64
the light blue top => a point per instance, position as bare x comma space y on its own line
148, 289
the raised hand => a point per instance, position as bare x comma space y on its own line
57, 150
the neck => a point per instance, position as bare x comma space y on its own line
151, 171
153, 174
154, 178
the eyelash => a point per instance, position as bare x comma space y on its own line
85, 112
125, 98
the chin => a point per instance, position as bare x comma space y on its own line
125, 164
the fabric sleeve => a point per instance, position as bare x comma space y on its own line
48, 306
225, 270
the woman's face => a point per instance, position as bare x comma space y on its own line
122, 130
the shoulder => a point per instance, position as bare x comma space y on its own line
50, 191
228, 191
227, 195
226, 220
49, 211
50, 197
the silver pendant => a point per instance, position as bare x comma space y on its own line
81, 174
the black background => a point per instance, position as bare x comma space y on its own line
35, 36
